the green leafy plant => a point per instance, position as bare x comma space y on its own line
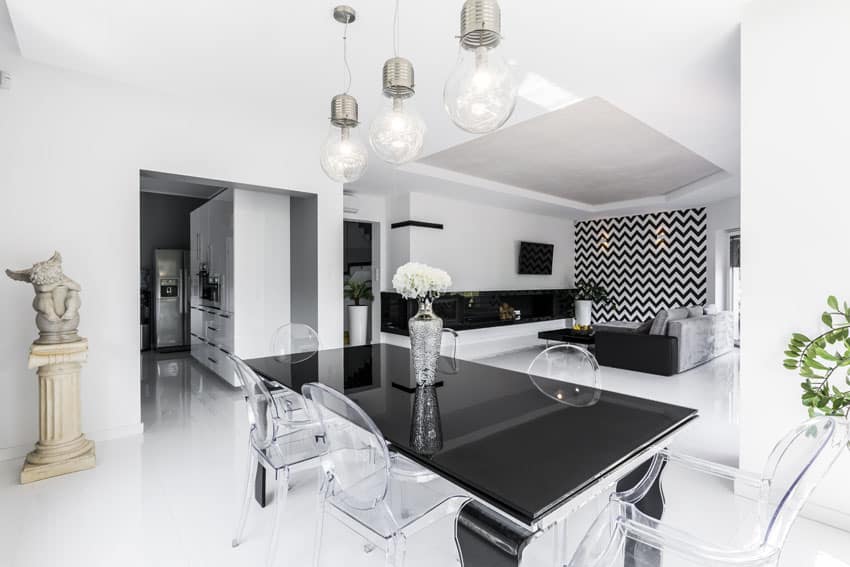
358, 291
820, 358
586, 291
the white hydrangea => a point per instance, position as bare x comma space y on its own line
418, 281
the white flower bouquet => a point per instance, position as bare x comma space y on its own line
418, 281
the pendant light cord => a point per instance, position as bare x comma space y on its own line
347, 71
395, 29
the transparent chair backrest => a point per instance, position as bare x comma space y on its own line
262, 410
795, 467
295, 339
450, 342
447, 363
357, 456
568, 374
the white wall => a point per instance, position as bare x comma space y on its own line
795, 84
71, 148
479, 244
721, 218
261, 262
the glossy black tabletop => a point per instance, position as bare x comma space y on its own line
489, 430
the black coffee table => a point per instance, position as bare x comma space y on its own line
569, 336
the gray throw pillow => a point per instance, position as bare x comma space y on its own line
710, 309
694, 311
659, 324
644, 327
678, 314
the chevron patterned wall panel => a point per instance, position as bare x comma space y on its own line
646, 262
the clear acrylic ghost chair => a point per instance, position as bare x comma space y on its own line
795, 467
568, 374
274, 443
298, 342
360, 487
447, 363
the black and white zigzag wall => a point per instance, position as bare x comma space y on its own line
646, 262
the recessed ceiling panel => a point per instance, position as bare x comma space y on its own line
590, 151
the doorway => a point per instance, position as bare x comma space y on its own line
360, 272
164, 243
734, 277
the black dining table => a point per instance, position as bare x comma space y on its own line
527, 455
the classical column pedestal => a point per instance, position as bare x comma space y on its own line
62, 448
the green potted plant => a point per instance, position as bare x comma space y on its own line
587, 294
358, 315
824, 362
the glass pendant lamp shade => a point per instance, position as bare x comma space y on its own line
397, 133
343, 156
480, 93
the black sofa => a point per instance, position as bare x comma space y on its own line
655, 354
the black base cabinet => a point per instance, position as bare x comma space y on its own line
466, 310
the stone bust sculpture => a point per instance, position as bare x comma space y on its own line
57, 300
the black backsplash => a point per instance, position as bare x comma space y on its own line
480, 309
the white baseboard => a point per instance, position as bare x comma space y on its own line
825, 515
811, 511
10, 453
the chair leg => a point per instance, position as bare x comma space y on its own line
320, 525
560, 530
246, 502
281, 492
389, 553
399, 550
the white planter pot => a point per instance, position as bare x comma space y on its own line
358, 318
584, 310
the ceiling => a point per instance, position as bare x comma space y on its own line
590, 151
671, 65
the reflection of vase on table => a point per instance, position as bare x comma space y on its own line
423, 283
426, 432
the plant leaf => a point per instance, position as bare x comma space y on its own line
825, 355
832, 302
827, 319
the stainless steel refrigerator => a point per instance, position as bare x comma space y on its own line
171, 299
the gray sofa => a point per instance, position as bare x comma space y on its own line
675, 341
702, 338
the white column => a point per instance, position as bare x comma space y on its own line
62, 448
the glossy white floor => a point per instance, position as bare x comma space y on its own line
169, 498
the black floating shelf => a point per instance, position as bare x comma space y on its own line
420, 224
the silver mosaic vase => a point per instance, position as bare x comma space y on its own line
426, 331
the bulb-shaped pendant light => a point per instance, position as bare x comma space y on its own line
397, 132
343, 156
480, 94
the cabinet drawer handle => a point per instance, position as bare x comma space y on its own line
213, 329
214, 361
